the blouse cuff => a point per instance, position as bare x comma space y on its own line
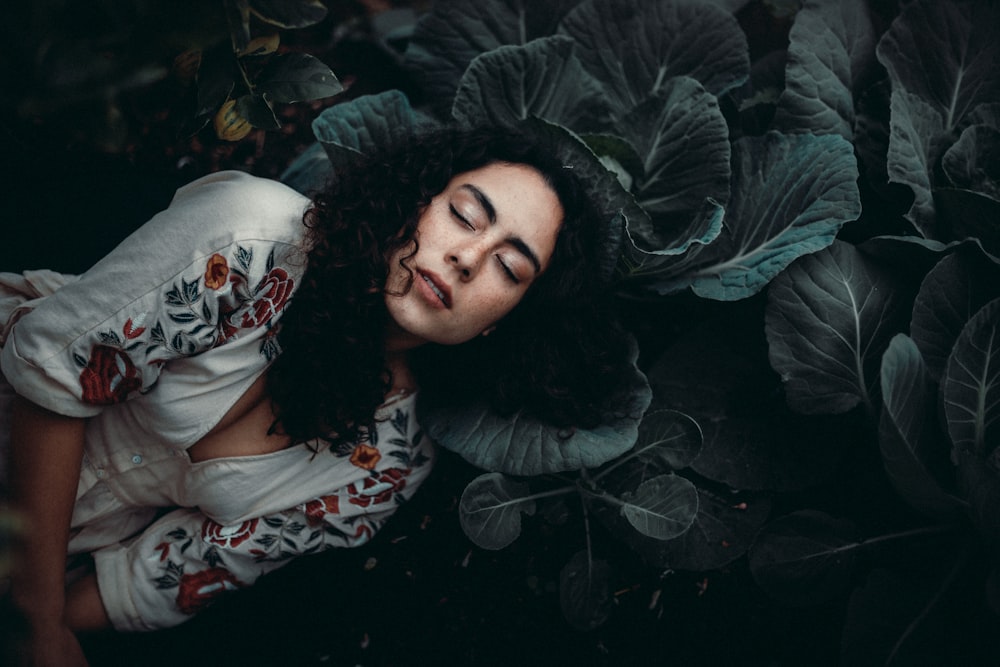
31, 382
111, 564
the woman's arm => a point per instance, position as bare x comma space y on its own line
46, 451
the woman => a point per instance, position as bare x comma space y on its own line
230, 388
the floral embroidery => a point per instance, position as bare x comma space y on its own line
378, 488
365, 457
197, 590
317, 509
109, 376
227, 536
216, 272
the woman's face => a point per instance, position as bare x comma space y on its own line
482, 242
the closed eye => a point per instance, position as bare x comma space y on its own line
461, 218
507, 270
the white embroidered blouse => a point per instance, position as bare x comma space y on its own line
154, 344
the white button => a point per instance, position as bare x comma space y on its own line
100, 472
137, 459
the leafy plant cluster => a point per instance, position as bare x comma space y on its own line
832, 209
72, 62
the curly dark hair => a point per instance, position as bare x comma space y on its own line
560, 354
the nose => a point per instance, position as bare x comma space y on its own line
467, 258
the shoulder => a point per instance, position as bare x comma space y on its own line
237, 202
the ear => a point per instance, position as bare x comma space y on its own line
489, 330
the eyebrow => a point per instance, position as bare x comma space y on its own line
516, 241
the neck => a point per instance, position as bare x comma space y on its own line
403, 381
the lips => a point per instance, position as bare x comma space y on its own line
435, 286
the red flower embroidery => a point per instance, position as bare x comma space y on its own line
271, 298
216, 272
227, 536
375, 490
365, 457
132, 331
197, 590
109, 376
320, 507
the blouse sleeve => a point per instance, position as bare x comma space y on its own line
216, 266
184, 561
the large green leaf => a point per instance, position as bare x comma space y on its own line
490, 510
667, 438
722, 531
831, 54
913, 447
971, 384
365, 125
310, 171
633, 47
829, 318
682, 141
950, 294
898, 618
718, 374
790, 197
979, 482
805, 558
663, 507
967, 214
971, 162
945, 53
916, 140
289, 13
523, 445
543, 79
297, 77
454, 32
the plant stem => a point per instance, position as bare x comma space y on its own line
926, 530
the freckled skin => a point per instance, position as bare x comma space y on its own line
482, 266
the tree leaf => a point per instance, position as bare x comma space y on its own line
945, 53
365, 125
490, 510
454, 32
634, 46
216, 77
790, 196
913, 448
257, 111
682, 139
662, 507
585, 591
951, 293
831, 57
971, 384
297, 77
542, 78
804, 558
829, 318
